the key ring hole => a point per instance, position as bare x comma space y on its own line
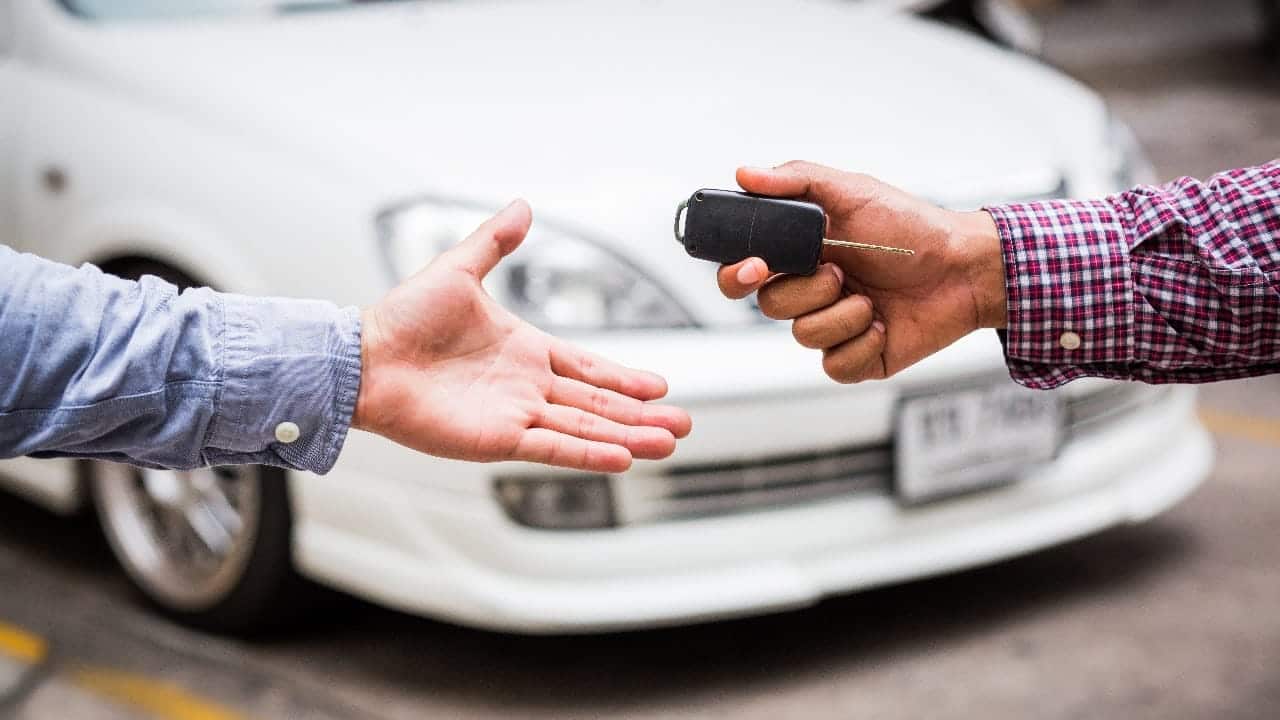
698, 196
680, 220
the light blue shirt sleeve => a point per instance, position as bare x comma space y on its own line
99, 367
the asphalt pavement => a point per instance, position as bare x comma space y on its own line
1176, 618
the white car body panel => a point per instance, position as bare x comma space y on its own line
254, 153
50, 482
535, 582
9, 105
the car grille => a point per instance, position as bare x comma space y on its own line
730, 487
1087, 413
704, 490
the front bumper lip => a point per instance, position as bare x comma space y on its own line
499, 576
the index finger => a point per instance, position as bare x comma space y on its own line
775, 182
838, 192
743, 278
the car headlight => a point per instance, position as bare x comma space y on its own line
555, 280
1128, 164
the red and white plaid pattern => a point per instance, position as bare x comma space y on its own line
1179, 283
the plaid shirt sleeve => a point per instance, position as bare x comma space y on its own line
1171, 284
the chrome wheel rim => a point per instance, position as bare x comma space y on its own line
184, 536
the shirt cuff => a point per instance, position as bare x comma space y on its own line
1069, 290
289, 380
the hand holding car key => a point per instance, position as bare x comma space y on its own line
873, 310
729, 227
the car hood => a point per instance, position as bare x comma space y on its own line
605, 114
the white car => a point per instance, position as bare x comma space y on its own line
326, 149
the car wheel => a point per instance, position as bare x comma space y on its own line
210, 547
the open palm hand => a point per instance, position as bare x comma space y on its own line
449, 372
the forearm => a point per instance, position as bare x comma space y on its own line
95, 366
1173, 284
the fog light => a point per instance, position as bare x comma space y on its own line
576, 502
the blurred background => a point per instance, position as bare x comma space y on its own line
1127, 572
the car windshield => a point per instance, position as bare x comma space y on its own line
140, 9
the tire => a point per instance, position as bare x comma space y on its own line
210, 548
240, 582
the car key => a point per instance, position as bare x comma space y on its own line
727, 227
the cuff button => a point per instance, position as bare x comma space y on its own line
287, 432
1069, 340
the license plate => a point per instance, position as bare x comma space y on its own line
967, 440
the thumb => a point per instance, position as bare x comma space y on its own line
496, 238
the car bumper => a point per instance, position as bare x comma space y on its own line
439, 545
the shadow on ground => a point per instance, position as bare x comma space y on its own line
372, 645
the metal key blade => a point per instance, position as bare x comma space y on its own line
868, 246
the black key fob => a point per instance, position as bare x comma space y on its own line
725, 227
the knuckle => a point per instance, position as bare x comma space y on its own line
771, 304
586, 425
842, 378
855, 317
553, 451
838, 370
805, 332
848, 325
599, 402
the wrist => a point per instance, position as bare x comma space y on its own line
360, 416
980, 259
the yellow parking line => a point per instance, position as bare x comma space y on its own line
1261, 430
22, 645
160, 699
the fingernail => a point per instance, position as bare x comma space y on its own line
749, 274
878, 325
839, 272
